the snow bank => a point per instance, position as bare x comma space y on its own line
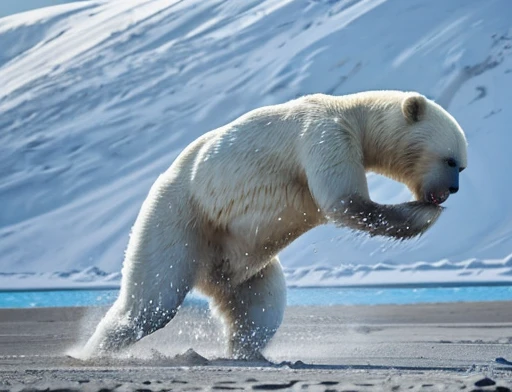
441, 273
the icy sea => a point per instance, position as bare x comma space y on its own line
324, 296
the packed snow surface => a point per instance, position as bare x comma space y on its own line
99, 97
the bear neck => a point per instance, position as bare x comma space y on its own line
386, 147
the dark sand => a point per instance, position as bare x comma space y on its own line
438, 347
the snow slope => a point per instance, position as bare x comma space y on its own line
99, 97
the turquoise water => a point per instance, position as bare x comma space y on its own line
296, 296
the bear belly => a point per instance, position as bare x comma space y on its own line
250, 241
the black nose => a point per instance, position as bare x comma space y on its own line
453, 189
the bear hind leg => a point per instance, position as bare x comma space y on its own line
253, 311
157, 275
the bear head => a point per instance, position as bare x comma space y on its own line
441, 148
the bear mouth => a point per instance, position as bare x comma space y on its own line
437, 198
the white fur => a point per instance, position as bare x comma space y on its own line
239, 194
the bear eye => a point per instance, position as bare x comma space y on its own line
451, 162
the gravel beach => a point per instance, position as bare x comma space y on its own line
430, 347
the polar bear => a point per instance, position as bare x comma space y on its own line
217, 218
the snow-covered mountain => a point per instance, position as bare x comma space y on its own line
97, 98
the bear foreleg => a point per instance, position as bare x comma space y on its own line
399, 221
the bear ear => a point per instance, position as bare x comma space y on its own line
414, 108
